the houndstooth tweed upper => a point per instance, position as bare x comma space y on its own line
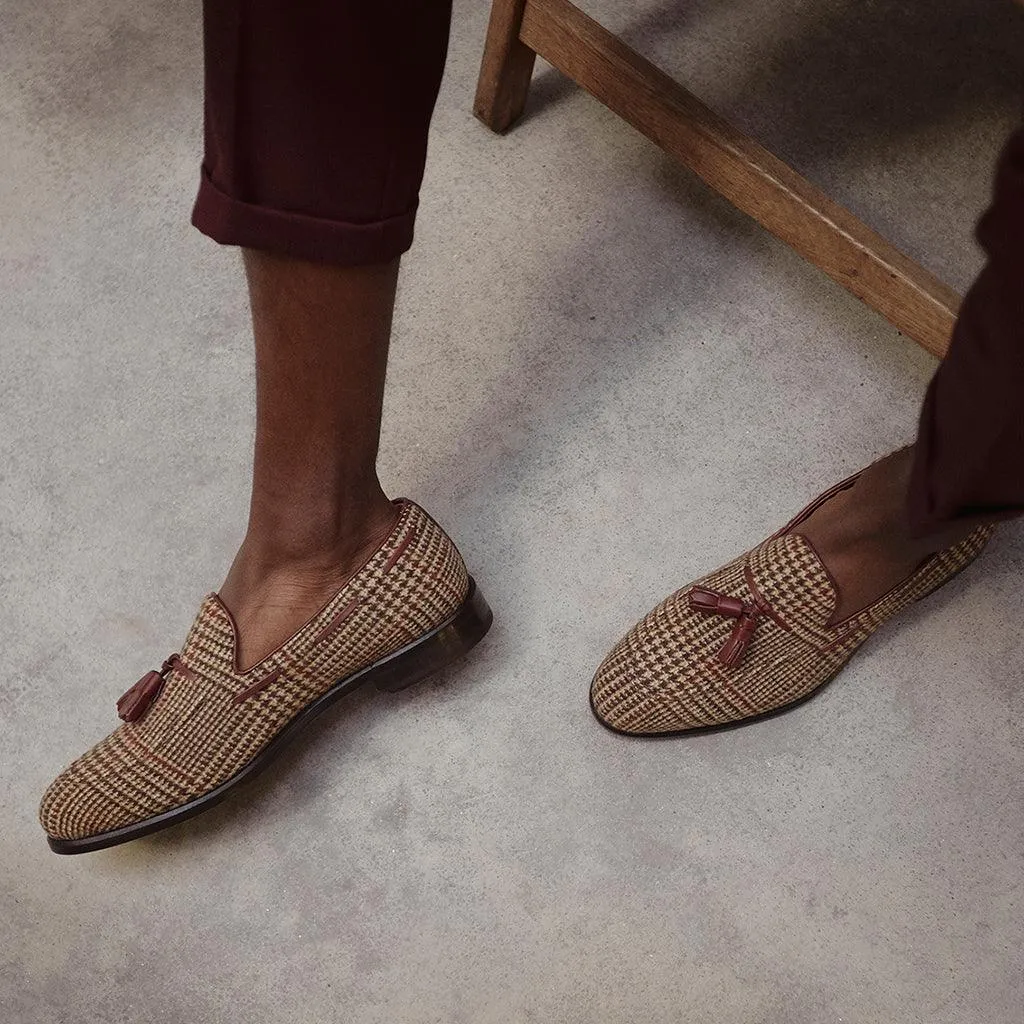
665, 674
210, 720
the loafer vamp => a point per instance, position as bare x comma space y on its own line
674, 671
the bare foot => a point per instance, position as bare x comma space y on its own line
863, 538
277, 583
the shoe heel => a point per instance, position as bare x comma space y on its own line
463, 631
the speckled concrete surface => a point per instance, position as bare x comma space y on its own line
604, 381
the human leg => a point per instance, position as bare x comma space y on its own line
768, 630
317, 118
967, 465
317, 509
316, 132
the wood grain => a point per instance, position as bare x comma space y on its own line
743, 171
506, 68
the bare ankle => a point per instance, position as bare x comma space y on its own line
282, 575
316, 533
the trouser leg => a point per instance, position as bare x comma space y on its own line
317, 116
969, 458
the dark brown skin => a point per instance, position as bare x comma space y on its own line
317, 510
863, 538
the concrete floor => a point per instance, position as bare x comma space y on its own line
478, 849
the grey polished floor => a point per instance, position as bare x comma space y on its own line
604, 381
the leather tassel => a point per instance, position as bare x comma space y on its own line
711, 603
739, 640
136, 701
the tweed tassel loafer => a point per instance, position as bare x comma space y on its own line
750, 640
198, 727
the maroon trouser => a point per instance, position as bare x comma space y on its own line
317, 115
970, 442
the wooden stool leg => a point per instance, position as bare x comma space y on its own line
506, 69
750, 177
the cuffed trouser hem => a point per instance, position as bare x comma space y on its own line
969, 457
233, 222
